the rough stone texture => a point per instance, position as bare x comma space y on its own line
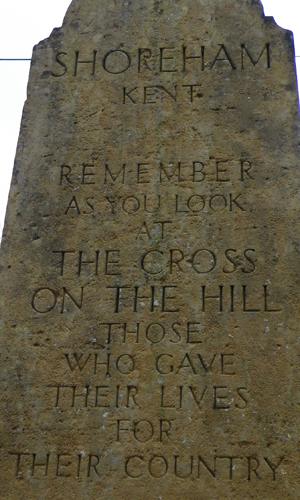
178, 180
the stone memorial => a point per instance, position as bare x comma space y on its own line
150, 344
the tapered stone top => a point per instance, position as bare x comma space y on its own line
149, 327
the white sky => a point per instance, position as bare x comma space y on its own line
23, 23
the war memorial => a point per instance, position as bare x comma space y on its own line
149, 328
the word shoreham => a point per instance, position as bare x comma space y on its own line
171, 59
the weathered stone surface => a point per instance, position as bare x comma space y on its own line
150, 259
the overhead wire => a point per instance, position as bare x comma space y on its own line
29, 59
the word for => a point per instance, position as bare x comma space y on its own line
145, 430
180, 172
218, 467
168, 59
